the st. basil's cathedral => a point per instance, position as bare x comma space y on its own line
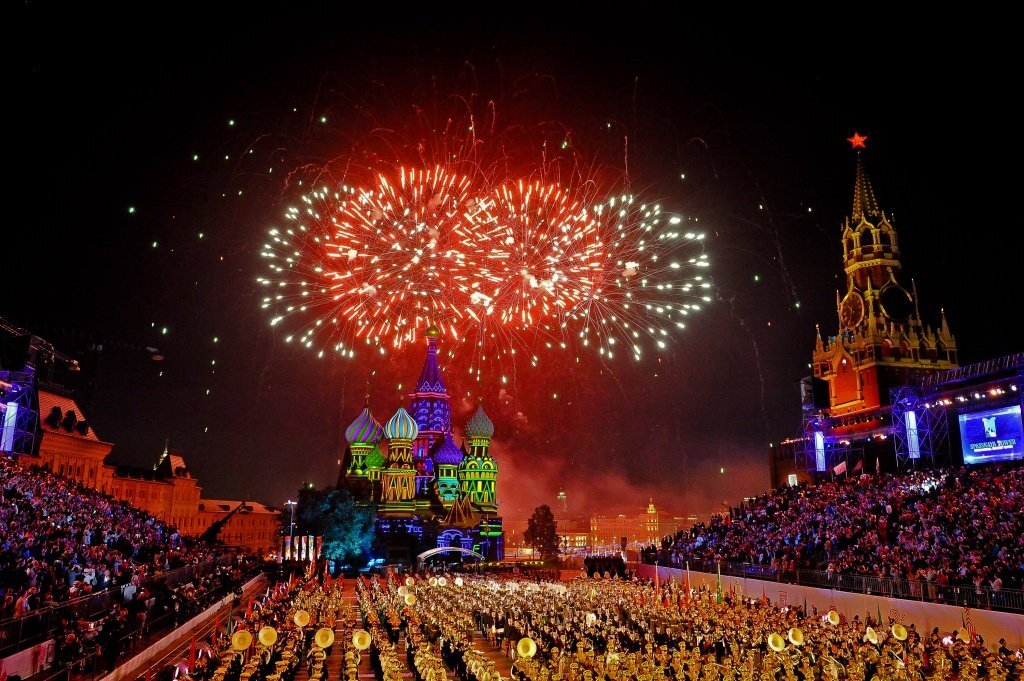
428, 491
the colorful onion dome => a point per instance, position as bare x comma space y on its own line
375, 459
448, 454
364, 429
401, 426
479, 425
433, 331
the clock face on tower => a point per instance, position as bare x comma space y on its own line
897, 304
851, 312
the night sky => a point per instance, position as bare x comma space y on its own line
119, 126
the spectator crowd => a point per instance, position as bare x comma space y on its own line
949, 527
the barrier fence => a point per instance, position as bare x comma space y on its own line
970, 596
21, 632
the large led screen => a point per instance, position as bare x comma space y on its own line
992, 435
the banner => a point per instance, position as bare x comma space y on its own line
287, 547
840, 468
319, 546
312, 548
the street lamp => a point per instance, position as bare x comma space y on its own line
291, 529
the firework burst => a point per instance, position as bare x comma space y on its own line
506, 268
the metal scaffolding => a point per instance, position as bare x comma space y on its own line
920, 430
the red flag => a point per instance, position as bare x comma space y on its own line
248, 609
192, 653
216, 626
149, 674
859, 466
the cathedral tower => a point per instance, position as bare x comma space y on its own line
478, 472
399, 476
362, 434
882, 341
432, 411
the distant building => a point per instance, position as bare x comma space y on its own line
647, 527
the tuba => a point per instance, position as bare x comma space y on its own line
899, 632
267, 636
796, 636
324, 637
241, 639
871, 637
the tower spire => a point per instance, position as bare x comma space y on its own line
864, 202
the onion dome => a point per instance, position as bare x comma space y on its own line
401, 426
479, 425
433, 331
364, 429
375, 459
448, 454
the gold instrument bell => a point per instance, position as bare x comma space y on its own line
776, 642
409, 581
361, 639
410, 599
267, 636
833, 618
526, 647
796, 637
301, 618
899, 632
324, 637
241, 639
871, 637
459, 581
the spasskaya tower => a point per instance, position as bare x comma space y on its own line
881, 341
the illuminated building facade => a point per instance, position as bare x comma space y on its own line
647, 527
70, 447
428, 491
881, 341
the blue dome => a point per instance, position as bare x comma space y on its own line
448, 454
401, 426
364, 429
479, 425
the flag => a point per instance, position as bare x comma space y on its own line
878, 465
192, 652
719, 590
216, 626
879, 614
687, 581
149, 674
860, 465
657, 579
965, 617
231, 621
3, 672
783, 597
840, 468
764, 595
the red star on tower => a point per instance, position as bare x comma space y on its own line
857, 141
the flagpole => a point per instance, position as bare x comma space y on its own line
687, 581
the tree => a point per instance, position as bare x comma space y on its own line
542, 532
347, 528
